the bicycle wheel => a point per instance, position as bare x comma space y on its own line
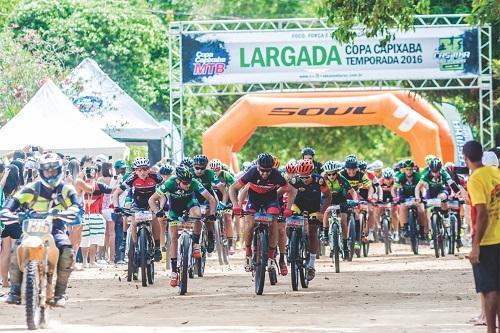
303, 259
184, 263
335, 245
435, 235
321, 246
443, 238
150, 268
260, 259
167, 247
365, 243
142, 253
218, 243
412, 222
452, 235
386, 234
352, 236
293, 255
224, 243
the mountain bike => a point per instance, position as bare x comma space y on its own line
439, 227
386, 224
141, 254
335, 236
221, 240
298, 249
413, 225
363, 224
185, 249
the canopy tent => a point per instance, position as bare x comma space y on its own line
50, 120
110, 108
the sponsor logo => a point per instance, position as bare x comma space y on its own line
331, 111
451, 54
88, 104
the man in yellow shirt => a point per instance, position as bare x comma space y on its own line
484, 193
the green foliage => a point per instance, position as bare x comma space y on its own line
375, 18
127, 41
21, 75
6, 7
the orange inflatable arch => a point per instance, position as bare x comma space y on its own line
232, 131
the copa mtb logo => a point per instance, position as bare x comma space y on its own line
451, 54
209, 60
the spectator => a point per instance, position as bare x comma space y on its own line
120, 223
109, 239
4, 269
484, 190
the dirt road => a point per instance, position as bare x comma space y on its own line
400, 293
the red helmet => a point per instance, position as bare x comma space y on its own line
291, 167
305, 167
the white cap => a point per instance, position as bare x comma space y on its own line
101, 158
490, 159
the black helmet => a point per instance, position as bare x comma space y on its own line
408, 163
351, 162
200, 160
183, 173
265, 160
362, 165
435, 164
166, 170
187, 161
308, 151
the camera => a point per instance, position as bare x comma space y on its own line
461, 170
90, 172
34, 148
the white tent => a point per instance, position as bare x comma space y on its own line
50, 120
108, 106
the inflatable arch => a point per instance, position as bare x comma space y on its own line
232, 131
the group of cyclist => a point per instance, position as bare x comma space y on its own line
303, 185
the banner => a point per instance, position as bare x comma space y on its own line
312, 55
461, 131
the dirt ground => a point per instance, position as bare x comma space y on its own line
396, 293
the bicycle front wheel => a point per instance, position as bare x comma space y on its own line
260, 259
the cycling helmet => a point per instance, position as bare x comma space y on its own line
187, 161
388, 173
351, 162
291, 167
265, 160
435, 164
166, 170
308, 151
305, 167
377, 165
408, 164
50, 161
140, 162
351, 155
183, 173
329, 166
247, 165
200, 160
216, 165
429, 158
276, 162
362, 165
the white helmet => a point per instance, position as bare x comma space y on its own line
388, 173
377, 165
50, 161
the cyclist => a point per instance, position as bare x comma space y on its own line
339, 188
226, 179
49, 192
377, 167
387, 182
181, 190
404, 188
312, 195
450, 168
263, 184
360, 182
208, 179
308, 154
434, 180
142, 183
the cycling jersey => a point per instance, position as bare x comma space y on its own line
386, 189
141, 190
318, 166
309, 195
405, 185
179, 198
226, 179
208, 180
262, 193
339, 187
436, 184
359, 182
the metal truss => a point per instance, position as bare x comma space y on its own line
178, 91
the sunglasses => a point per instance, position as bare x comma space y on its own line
185, 183
330, 174
261, 170
305, 177
142, 169
199, 168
